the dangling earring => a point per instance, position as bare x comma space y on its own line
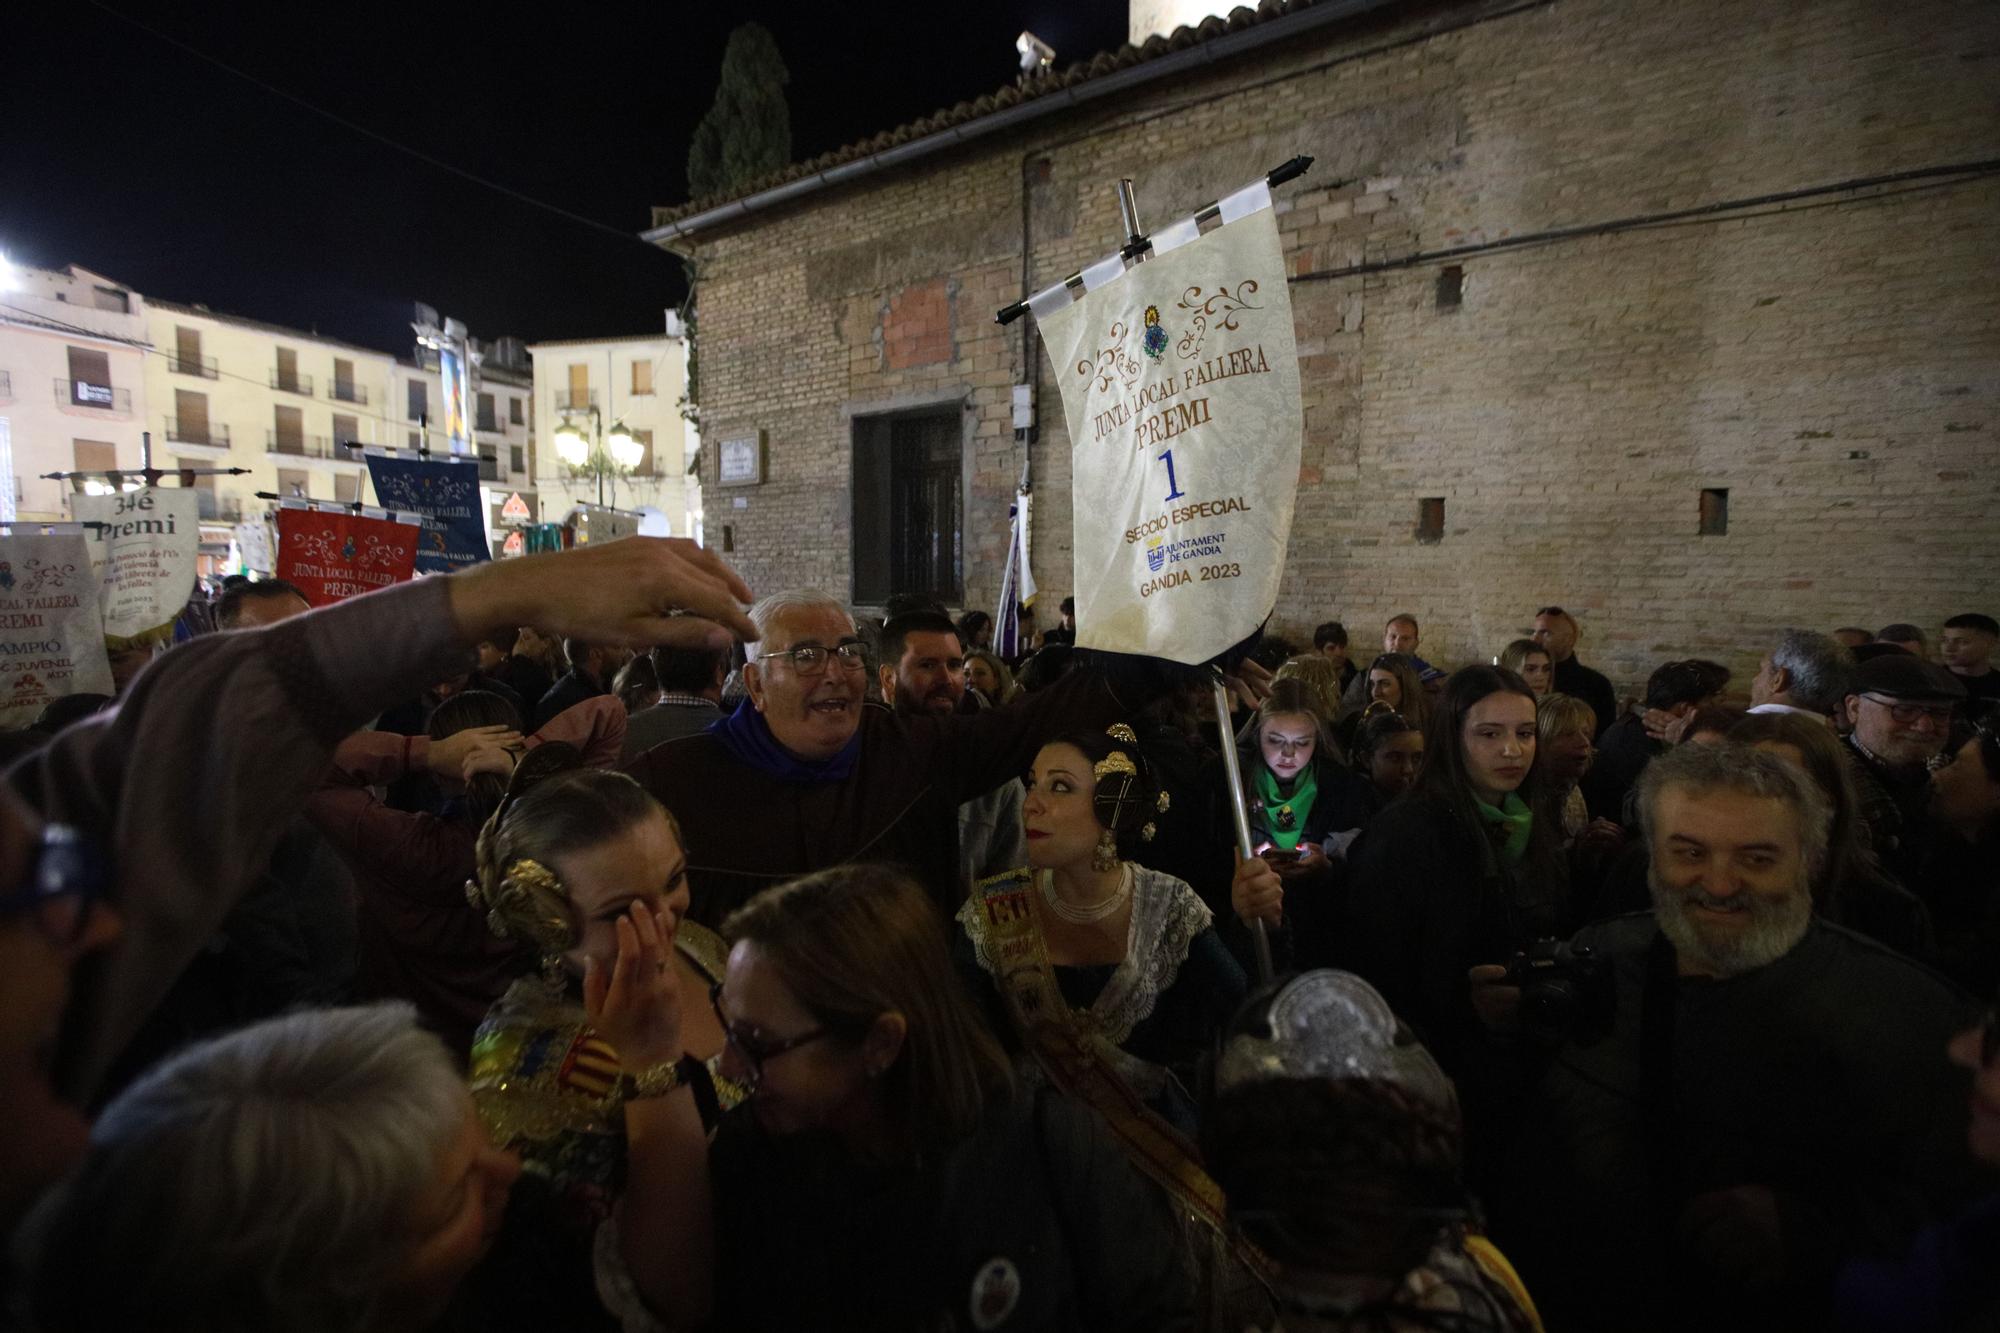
555, 977
1105, 855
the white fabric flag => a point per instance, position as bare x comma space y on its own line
253, 542
51, 637
143, 547
1180, 383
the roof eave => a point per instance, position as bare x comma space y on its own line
1208, 52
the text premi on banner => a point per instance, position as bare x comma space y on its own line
1180, 386
144, 547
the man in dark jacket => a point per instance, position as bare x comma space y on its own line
1557, 631
691, 668
1677, 689
1901, 708
1770, 1100
804, 775
591, 665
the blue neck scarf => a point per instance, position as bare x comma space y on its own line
746, 735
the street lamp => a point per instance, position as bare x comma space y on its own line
598, 454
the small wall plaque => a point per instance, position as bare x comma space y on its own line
742, 461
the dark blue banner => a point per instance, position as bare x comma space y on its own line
445, 494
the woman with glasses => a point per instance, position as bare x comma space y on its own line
887, 1170
574, 862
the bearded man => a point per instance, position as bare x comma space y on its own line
1769, 1102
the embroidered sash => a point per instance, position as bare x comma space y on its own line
1076, 1062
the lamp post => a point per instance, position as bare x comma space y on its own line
599, 454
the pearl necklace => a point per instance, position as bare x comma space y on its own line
1084, 916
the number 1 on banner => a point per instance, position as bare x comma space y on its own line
1174, 491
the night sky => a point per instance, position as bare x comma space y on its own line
140, 161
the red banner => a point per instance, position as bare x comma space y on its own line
332, 555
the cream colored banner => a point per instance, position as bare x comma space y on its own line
143, 547
1180, 382
51, 634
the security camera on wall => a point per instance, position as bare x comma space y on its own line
1036, 54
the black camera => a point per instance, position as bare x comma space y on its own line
1566, 992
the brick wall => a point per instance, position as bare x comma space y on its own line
1833, 362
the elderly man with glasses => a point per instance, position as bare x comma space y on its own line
1901, 708
805, 774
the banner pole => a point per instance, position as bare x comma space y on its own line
1232, 773
1140, 246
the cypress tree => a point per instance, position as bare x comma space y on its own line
747, 132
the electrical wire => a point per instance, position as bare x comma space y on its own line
366, 132
1730, 210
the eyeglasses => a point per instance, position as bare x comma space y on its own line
811, 659
63, 885
754, 1053
1908, 714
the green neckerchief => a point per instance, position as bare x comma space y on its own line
1285, 816
1508, 826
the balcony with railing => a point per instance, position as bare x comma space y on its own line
210, 434
570, 400
302, 446
212, 508
292, 383
97, 397
347, 391
203, 366
486, 421
489, 467
6, 385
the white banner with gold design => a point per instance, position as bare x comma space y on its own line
1180, 383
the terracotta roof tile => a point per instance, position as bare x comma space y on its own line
1105, 62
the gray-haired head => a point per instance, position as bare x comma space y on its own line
1819, 667
769, 609
1742, 771
261, 1181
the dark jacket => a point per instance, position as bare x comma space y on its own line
1574, 678
1425, 903
1820, 1077
1621, 757
571, 689
668, 720
806, 1237
1894, 802
526, 677
419, 938
1960, 883
746, 829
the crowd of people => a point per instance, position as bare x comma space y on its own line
577, 942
